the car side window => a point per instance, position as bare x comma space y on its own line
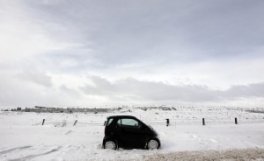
128, 122
109, 121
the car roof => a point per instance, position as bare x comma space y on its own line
121, 116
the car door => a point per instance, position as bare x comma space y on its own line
130, 132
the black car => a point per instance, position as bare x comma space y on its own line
129, 132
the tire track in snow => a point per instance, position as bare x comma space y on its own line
36, 155
14, 149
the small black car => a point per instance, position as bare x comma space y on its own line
129, 132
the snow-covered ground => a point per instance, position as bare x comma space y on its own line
22, 137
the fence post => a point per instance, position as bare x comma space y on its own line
167, 122
235, 120
43, 121
203, 120
75, 122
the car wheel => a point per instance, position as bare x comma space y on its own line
153, 144
109, 144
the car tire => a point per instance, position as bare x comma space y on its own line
110, 144
153, 144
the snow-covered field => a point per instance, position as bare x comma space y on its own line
22, 137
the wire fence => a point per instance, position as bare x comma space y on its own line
166, 122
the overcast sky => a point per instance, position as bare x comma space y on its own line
131, 52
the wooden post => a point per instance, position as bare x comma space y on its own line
43, 121
167, 122
203, 121
235, 120
75, 122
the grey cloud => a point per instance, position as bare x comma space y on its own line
37, 77
69, 91
251, 90
133, 89
17, 91
139, 39
124, 32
